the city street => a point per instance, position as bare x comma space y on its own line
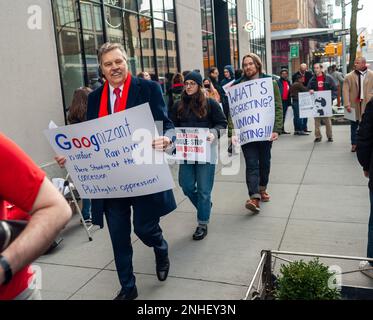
319, 204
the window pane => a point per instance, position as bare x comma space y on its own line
116, 3
144, 7
68, 46
161, 54
158, 11
132, 44
147, 49
171, 47
93, 39
114, 25
169, 10
130, 5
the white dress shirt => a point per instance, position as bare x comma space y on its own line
113, 97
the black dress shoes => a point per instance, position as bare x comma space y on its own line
127, 296
162, 269
200, 233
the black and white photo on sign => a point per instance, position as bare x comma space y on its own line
315, 105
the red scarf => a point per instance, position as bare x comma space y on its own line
105, 94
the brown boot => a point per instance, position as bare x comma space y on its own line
253, 205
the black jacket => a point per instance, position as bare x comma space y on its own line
214, 120
364, 148
329, 84
281, 86
174, 91
307, 75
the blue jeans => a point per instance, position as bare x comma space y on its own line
370, 229
197, 181
258, 165
298, 122
354, 127
86, 209
146, 227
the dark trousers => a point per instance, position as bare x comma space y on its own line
304, 124
298, 122
354, 127
258, 165
285, 106
370, 229
146, 227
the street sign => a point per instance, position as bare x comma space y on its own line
339, 33
294, 50
338, 20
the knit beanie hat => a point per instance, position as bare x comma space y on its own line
195, 76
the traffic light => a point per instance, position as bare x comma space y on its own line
144, 24
330, 49
340, 49
362, 41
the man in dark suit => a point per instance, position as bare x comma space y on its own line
122, 91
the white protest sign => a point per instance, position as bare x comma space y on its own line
105, 156
228, 85
318, 104
191, 144
350, 115
252, 108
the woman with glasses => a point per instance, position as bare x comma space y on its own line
195, 110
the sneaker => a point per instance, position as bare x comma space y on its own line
200, 233
253, 205
353, 148
366, 268
330, 140
88, 222
264, 196
317, 140
307, 131
302, 133
296, 133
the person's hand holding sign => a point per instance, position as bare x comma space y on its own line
210, 138
274, 136
161, 143
61, 160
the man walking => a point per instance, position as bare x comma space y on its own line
364, 154
320, 82
120, 92
258, 154
304, 76
357, 91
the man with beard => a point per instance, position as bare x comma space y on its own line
258, 154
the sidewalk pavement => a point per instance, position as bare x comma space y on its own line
319, 204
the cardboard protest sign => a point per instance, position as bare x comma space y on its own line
112, 157
318, 104
252, 108
350, 115
228, 85
191, 144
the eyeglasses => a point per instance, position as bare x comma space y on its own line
190, 84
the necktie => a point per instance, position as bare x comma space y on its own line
117, 100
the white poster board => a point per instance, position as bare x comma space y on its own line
350, 115
191, 144
228, 85
252, 108
112, 157
316, 105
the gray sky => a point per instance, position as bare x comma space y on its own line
364, 17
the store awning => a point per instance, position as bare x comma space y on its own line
300, 33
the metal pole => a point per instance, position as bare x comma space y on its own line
344, 47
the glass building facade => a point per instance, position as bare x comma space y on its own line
257, 37
209, 42
146, 29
